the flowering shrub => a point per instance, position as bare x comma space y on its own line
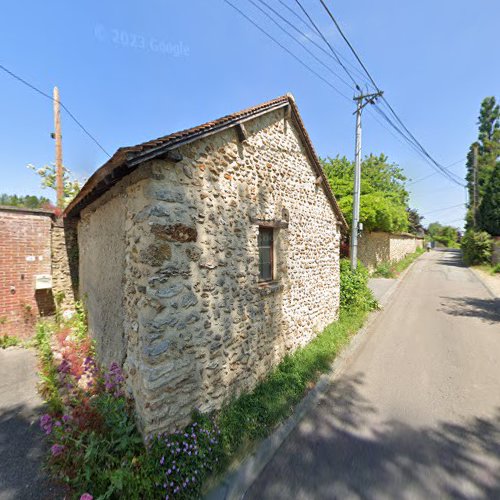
95, 448
183, 459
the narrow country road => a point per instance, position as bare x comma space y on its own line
417, 412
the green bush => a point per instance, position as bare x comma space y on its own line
8, 341
354, 291
476, 247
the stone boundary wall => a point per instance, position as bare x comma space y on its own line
377, 247
64, 257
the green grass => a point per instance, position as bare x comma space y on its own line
394, 269
8, 341
489, 268
254, 416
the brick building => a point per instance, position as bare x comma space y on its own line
25, 269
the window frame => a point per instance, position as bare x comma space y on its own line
269, 230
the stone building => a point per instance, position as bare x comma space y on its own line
207, 255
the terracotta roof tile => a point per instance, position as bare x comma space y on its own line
126, 159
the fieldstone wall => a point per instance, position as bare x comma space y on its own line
197, 326
64, 256
377, 247
374, 248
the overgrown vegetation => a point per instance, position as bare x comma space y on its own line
394, 269
446, 235
354, 291
8, 341
384, 198
96, 449
489, 268
476, 247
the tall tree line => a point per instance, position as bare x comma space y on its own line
487, 175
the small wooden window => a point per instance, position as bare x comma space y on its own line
266, 250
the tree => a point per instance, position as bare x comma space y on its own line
415, 222
488, 215
71, 186
446, 235
384, 198
28, 201
488, 147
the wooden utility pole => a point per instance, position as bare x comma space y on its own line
474, 173
361, 101
59, 160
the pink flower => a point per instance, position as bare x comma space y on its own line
56, 449
86, 496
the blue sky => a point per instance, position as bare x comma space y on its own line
131, 71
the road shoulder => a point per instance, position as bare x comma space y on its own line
237, 482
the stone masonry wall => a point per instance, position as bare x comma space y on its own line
64, 252
374, 248
24, 254
198, 327
377, 247
402, 245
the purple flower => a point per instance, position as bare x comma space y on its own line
86, 496
56, 449
46, 423
66, 418
162, 460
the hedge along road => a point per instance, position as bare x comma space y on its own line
417, 412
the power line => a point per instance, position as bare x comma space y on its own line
443, 209
413, 138
348, 43
71, 115
294, 38
310, 26
287, 50
434, 173
328, 43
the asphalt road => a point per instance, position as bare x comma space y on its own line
416, 414
22, 447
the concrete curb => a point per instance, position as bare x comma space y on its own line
483, 282
236, 483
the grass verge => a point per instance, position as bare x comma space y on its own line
394, 269
254, 416
490, 269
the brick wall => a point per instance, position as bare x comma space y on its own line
25, 251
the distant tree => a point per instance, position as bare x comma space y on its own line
384, 198
71, 185
488, 146
488, 215
446, 235
28, 201
415, 225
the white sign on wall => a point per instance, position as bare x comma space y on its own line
43, 281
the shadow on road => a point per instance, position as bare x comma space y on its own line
23, 450
335, 454
485, 309
451, 257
